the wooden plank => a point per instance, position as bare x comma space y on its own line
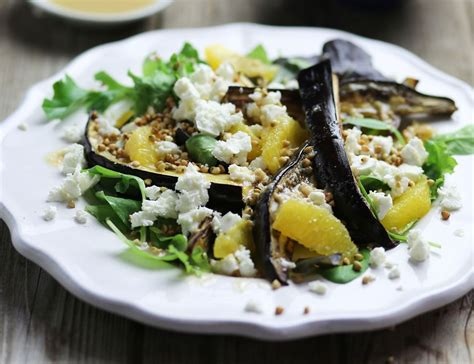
41, 322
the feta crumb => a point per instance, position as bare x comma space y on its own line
226, 71
362, 165
257, 163
241, 174
191, 220
351, 144
222, 224
318, 287
49, 213
394, 273
286, 264
377, 257
226, 266
271, 114
459, 233
164, 147
106, 126
193, 188
213, 118
254, 307
164, 206
142, 218
450, 199
382, 203
384, 143
234, 150
81, 216
73, 158
153, 192
419, 248
23, 126
414, 152
73, 186
73, 134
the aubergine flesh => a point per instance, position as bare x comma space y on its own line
224, 194
330, 163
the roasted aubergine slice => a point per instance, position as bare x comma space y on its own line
224, 194
330, 163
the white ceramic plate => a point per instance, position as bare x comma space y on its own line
100, 18
90, 261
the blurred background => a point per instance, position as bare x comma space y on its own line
53, 324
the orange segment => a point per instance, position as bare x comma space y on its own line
229, 242
272, 148
140, 149
313, 227
409, 207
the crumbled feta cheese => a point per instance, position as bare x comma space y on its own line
362, 165
226, 71
240, 174
164, 206
226, 266
450, 199
106, 126
351, 144
191, 220
81, 216
377, 257
49, 213
257, 163
254, 307
193, 188
240, 262
398, 184
246, 265
73, 157
384, 143
318, 287
382, 203
213, 118
234, 150
142, 218
319, 198
73, 186
164, 147
459, 233
414, 152
222, 224
394, 273
419, 248
271, 114
153, 192
292, 84
73, 133
23, 126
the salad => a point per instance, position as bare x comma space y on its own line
287, 169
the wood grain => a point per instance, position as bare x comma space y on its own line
40, 322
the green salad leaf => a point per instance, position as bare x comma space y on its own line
289, 68
200, 149
346, 273
259, 53
460, 142
151, 89
374, 124
439, 163
371, 183
122, 207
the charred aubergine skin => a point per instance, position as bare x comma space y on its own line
223, 197
331, 166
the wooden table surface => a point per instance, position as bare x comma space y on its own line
41, 322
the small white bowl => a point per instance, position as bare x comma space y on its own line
100, 18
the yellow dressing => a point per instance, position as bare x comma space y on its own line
103, 6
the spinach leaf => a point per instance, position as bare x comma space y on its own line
200, 149
259, 53
289, 68
103, 213
460, 142
346, 273
371, 183
439, 163
122, 207
374, 124
179, 241
200, 260
67, 98
124, 180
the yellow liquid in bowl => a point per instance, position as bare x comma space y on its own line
103, 6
